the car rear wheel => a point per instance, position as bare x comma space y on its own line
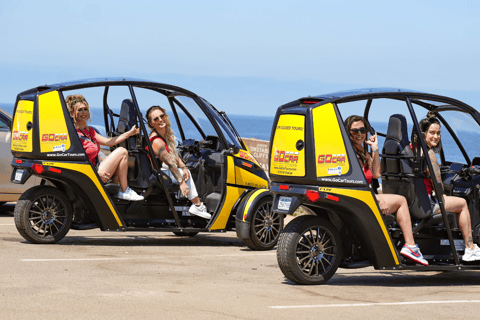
265, 226
309, 250
43, 215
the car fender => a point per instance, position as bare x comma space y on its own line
245, 210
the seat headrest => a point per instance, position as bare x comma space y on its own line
397, 129
127, 111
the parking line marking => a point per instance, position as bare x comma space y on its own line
373, 304
144, 258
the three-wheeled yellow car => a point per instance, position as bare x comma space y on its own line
229, 180
313, 163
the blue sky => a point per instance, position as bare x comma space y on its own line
245, 57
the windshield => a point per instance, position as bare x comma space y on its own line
468, 132
227, 129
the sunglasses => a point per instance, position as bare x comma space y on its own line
157, 118
356, 131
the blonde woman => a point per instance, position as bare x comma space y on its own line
163, 144
115, 166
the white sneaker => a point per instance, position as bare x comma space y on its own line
472, 255
129, 195
200, 211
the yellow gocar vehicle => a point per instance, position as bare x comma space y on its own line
229, 180
313, 164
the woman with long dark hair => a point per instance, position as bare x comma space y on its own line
395, 204
431, 132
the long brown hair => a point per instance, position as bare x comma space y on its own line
424, 125
72, 101
348, 124
169, 135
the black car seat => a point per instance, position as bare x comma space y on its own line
139, 168
398, 176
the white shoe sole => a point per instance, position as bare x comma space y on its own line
204, 215
471, 258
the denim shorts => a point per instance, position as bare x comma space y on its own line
433, 203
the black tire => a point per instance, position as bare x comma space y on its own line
2, 203
265, 226
185, 234
43, 215
309, 250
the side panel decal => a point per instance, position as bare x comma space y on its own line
247, 156
248, 179
330, 153
53, 129
22, 139
286, 159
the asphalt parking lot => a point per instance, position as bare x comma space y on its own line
107, 275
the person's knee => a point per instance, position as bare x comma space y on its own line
122, 151
403, 202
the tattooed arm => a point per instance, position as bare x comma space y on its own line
436, 167
164, 156
161, 152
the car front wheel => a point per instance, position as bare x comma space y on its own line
43, 215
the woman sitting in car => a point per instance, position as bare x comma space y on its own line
431, 128
388, 203
115, 166
163, 143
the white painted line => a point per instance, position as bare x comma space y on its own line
10, 224
82, 259
373, 304
146, 258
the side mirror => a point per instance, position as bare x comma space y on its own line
232, 151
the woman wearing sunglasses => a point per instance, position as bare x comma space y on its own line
163, 144
388, 203
114, 167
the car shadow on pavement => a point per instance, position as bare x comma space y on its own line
161, 239
128, 240
405, 279
7, 209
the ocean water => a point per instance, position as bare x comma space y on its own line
259, 127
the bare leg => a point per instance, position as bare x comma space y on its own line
399, 204
459, 206
116, 165
196, 201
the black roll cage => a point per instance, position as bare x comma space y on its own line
411, 98
167, 90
